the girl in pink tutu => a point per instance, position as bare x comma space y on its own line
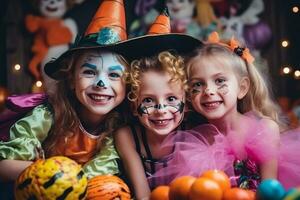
244, 126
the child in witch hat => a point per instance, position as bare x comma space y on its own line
157, 93
78, 120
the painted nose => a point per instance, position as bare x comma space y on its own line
101, 84
160, 108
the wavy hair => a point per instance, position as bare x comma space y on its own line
258, 98
64, 102
164, 62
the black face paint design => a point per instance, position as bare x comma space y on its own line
223, 89
100, 83
149, 109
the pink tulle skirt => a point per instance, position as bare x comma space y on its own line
204, 148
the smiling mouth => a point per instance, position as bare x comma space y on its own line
161, 122
211, 105
100, 98
51, 9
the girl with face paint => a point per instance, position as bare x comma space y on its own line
243, 130
157, 93
78, 120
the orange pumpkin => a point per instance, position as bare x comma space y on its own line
106, 187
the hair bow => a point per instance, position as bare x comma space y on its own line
233, 45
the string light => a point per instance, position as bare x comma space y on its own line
297, 74
286, 70
39, 84
295, 9
17, 67
284, 43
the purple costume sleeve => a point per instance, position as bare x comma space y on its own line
16, 108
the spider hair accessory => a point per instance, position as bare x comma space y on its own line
233, 45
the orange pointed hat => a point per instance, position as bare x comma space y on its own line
106, 30
159, 38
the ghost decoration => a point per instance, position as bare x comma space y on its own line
52, 36
182, 17
234, 25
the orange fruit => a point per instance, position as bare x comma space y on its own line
218, 176
180, 187
205, 188
238, 194
160, 193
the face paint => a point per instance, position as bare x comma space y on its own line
98, 82
101, 84
223, 89
174, 108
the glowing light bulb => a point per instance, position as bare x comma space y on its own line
17, 67
297, 74
39, 84
284, 43
286, 70
295, 9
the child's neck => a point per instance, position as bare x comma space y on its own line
91, 122
228, 123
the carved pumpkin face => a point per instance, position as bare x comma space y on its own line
107, 187
53, 8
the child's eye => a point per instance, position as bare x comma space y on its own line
89, 72
197, 84
220, 81
114, 75
172, 99
147, 100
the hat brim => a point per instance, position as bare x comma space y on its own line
150, 45
131, 49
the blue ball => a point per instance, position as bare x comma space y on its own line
270, 189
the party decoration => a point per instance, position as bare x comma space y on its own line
238, 194
292, 194
106, 187
52, 35
180, 187
270, 189
160, 193
3, 96
219, 177
205, 188
145, 13
54, 178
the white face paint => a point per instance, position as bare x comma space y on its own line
53, 8
98, 82
160, 103
180, 9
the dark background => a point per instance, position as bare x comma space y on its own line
15, 41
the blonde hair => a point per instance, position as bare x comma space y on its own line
164, 62
258, 98
64, 102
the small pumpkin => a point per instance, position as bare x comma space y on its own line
107, 187
57, 177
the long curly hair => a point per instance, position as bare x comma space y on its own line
64, 102
258, 98
163, 62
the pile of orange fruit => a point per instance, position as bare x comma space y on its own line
211, 185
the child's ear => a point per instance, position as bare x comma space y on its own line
244, 87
